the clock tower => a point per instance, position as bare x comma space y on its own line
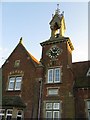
57, 97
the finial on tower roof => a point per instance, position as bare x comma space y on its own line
57, 6
57, 10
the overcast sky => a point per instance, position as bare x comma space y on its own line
30, 20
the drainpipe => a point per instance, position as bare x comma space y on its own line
73, 89
40, 95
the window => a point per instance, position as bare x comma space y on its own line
88, 114
52, 91
54, 75
11, 83
2, 114
19, 115
48, 114
18, 83
88, 109
48, 106
56, 106
50, 76
55, 114
88, 104
53, 110
57, 75
9, 114
14, 83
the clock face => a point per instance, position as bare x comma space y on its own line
54, 52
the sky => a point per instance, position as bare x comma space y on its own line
30, 20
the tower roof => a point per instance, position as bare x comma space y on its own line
57, 24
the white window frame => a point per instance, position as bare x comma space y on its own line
88, 109
21, 116
15, 81
18, 81
88, 114
56, 104
54, 75
11, 80
7, 114
88, 72
50, 113
53, 109
58, 114
50, 81
51, 105
88, 104
1, 113
55, 81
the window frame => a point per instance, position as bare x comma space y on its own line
21, 116
8, 114
55, 91
55, 81
53, 110
17, 82
47, 105
50, 81
54, 114
88, 72
89, 114
1, 113
88, 104
54, 75
88, 109
10, 79
14, 82
54, 104
48, 112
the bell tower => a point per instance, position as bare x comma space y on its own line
57, 97
57, 24
58, 47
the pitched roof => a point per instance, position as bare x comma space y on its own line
80, 70
32, 58
13, 101
82, 82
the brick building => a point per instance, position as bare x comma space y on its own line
53, 87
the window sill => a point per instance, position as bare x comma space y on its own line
52, 95
13, 90
53, 83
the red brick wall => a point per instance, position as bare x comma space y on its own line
81, 96
66, 87
29, 86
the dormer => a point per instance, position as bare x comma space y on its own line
57, 24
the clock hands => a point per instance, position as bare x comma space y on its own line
54, 52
